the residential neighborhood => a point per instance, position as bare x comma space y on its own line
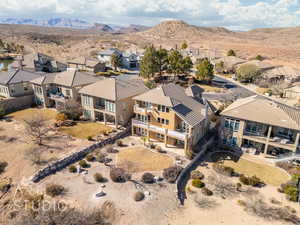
177, 123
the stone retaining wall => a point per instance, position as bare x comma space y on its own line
77, 156
14, 104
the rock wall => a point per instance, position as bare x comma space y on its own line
77, 156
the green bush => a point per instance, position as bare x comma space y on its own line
292, 193
72, 169
196, 174
139, 196
198, 183
54, 190
224, 170
90, 157
4, 186
259, 57
84, 164
296, 177
98, 177
252, 181
2, 112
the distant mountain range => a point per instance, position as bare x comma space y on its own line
75, 24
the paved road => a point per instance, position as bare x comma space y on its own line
233, 91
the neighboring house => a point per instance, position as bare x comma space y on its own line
16, 83
84, 64
282, 73
53, 90
260, 125
39, 62
110, 100
105, 56
292, 92
229, 64
130, 61
170, 114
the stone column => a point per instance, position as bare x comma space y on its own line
268, 139
186, 143
104, 118
166, 137
116, 121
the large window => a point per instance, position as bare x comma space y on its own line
87, 101
285, 132
232, 124
110, 106
142, 118
231, 141
254, 128
162, 108
163, 121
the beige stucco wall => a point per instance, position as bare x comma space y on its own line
4, 92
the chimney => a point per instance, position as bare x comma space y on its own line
20, 64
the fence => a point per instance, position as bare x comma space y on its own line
75, 157
185, 173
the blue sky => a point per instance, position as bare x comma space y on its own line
233, 14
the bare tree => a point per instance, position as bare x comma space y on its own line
222, 186
37, 127
205, 202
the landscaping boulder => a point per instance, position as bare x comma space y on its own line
170, 174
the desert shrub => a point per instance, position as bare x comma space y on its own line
152, 145
5, 185
204, 202
171, 173
98, 177
198, 183
90, 157
83, 164
196, 174
100, 157
291, 193
2, 112
148, 178
117, 175
119, 143
90, 138
61, 117
238, 186
222, 186
139, 196
252, 181
3, 165
54, 190
231, 52
259, 57
224, 170
109, 149
72, 169
206, 191
189, 190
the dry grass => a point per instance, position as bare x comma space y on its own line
85, 130
209, 88
268, 174
262, 90
141, 159
27, 113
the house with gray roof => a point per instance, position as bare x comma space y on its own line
261, 126
16, 83
172, 115
111, 100
105, 55
54, 89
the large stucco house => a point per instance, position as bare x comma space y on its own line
111, 100
53, 90
16, 83
172, 115
259, 125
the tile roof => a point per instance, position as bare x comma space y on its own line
262, 110
175, 97
17, 76
114, 89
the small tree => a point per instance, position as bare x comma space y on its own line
161, 59
231, 52
187, 65
36, 127
184, 46
72, 110
175, 60
149, 65
248, 73
115, 61
205, 70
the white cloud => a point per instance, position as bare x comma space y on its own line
229, 13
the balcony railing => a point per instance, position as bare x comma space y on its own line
171, 133
58, 97
139, 109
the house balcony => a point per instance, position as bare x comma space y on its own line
141, 110
170, 133
100, 107
58, 97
